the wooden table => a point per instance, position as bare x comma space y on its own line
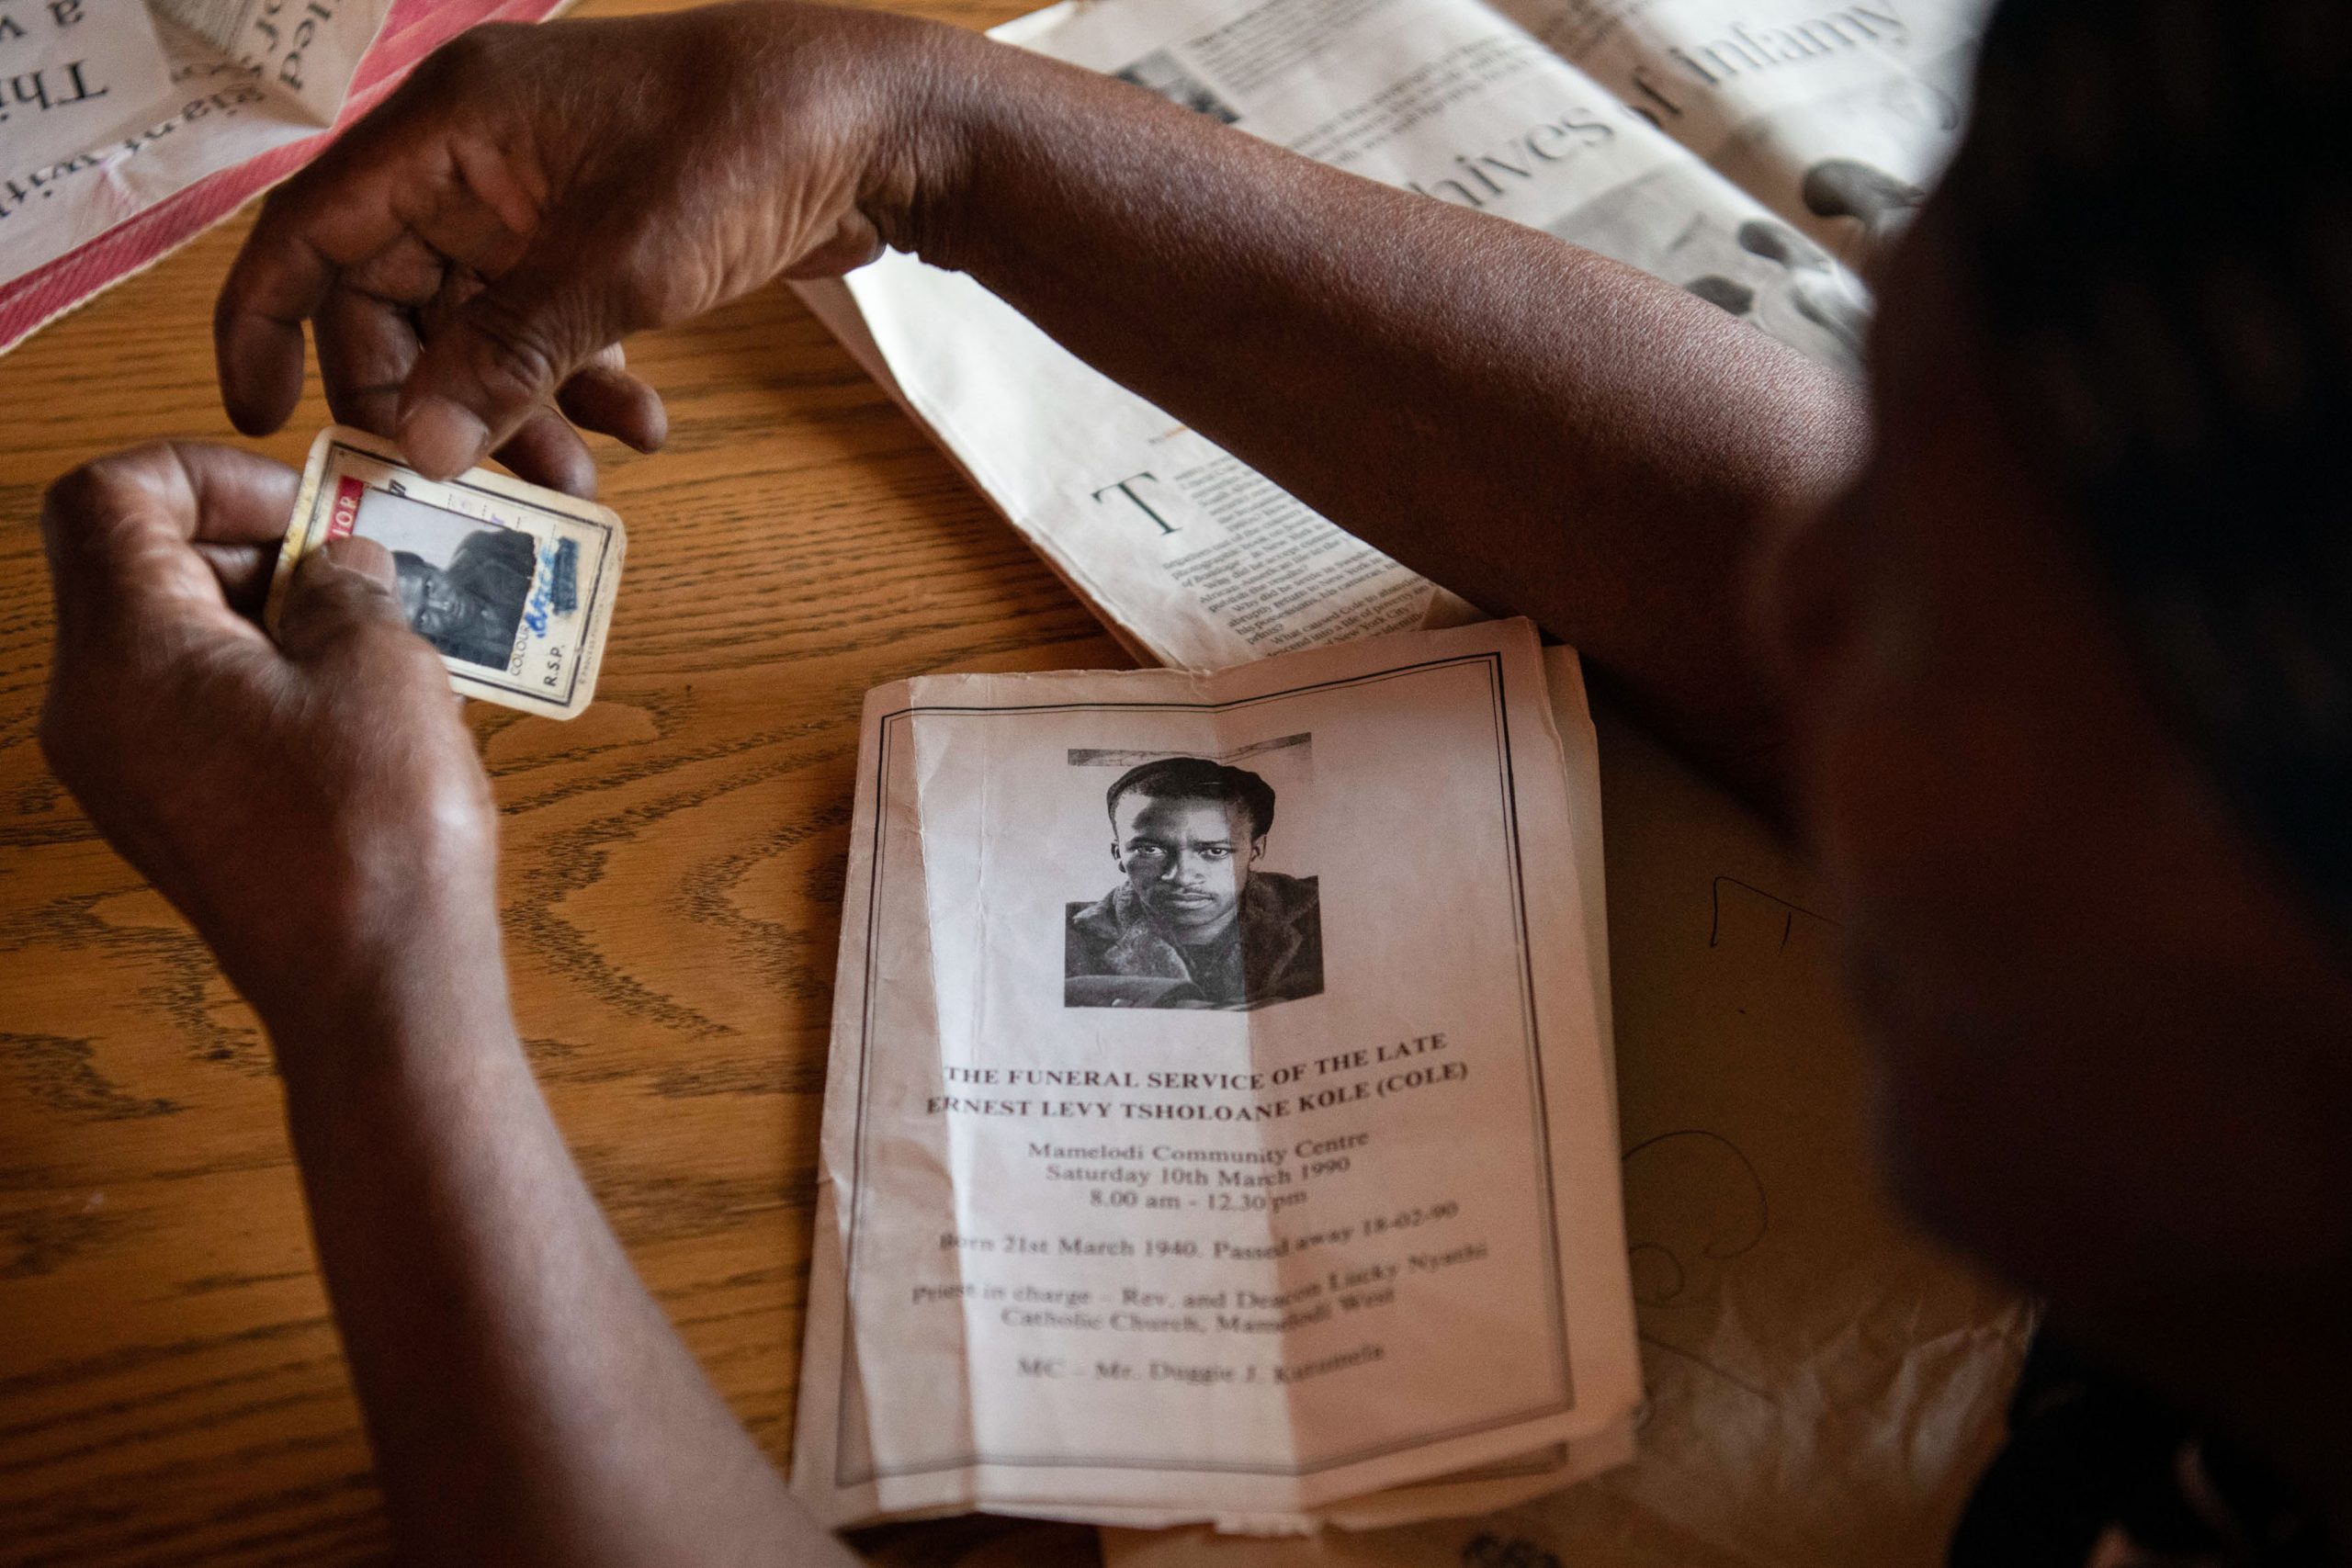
170, 1387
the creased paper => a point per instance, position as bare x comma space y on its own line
1102, 1241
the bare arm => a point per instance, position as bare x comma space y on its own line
317, 811
528, 1402
1547, 432
1542, 430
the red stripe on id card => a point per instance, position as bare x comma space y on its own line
348, 492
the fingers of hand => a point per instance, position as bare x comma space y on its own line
345, 630
310, 228
500, 358
257, 329
371, 331
366, 344
355, 555
120, 531
393, 177
546, 451
371, 322
241, 497
603, 396
342, 591
242, 571
383, 244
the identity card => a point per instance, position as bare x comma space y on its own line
513, 583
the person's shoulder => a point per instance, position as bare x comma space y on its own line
1285, 893
1098, 921
510, 547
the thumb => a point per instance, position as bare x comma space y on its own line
339, 590
501, 357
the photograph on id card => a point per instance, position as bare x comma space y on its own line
512, 584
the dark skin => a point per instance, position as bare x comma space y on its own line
1187, 860
527, 1399
1547, 383
434, 606
2112, 1042
2112, 1034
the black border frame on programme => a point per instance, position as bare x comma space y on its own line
843, 1474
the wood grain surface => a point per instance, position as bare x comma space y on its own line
170, 1387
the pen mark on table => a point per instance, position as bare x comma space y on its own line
1701, 1361
1734, 1234
1789, 912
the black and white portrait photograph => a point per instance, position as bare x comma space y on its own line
463, 583
1196, 916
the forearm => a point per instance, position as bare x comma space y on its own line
526, 1399
317, 810
1547, 432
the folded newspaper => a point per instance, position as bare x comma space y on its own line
1823, 1396
129, 126
115, 102
1220, 1124
1758, 152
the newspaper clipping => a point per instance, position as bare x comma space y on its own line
115, 104
1757, 155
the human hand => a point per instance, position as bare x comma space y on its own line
480, 244
316, 808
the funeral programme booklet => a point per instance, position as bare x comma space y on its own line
1218, 1124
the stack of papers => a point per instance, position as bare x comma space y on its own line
1220, 1124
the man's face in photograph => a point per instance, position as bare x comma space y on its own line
1186, 860
434, 605
440, 609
